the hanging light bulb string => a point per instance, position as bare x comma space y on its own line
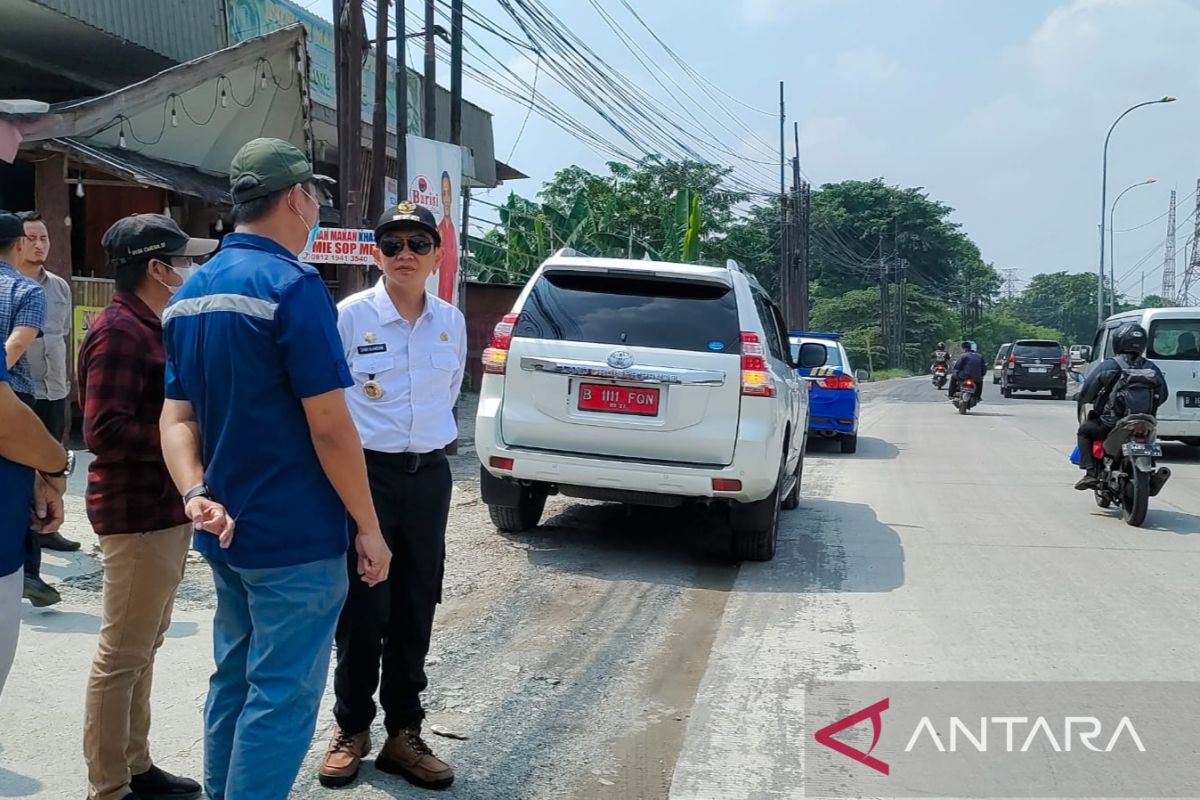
223, 91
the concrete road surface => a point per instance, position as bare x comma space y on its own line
615, 654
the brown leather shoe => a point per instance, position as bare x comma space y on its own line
408, 756
345, 754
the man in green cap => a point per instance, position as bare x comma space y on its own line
257, 436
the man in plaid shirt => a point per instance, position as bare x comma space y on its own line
22, 315
132, 503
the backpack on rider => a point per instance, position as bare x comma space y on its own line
1134, 390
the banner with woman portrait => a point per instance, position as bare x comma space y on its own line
435, 181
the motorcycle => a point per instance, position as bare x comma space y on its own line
1128, 474
967, 395
939, 376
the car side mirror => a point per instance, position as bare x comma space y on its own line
1085, 353
812, 355
861, 375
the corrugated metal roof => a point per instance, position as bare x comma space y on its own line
178, 29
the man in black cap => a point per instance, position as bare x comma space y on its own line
132, 503
256, 430
407, 352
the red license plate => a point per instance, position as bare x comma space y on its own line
618, 399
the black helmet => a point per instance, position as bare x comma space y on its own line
1130, 339
941, 345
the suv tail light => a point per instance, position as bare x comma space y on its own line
495, 357
1062, 361
842, 381
756, 380
1012, 358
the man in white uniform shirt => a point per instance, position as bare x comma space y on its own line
407, 353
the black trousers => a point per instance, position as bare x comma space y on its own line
1090, 430
53, 414
384, 631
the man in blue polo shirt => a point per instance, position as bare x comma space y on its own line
258, 439
25, 445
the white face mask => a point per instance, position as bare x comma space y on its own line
183, 272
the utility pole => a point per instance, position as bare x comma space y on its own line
798, 300
401, 105
903, 337
349, 34
379, 132
883, 302
785, 222
430, 79
1168, 287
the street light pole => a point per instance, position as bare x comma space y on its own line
1104, 203
1112, 245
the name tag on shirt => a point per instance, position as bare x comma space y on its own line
363, 349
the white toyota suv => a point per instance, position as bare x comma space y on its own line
647, 383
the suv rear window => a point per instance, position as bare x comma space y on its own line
1037, 350
631, 310
1175, 340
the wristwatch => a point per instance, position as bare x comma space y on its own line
196, 491
66, 471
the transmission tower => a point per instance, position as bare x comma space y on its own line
1010, 283
1191, 275
1168, 287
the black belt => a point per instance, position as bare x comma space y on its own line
406, 462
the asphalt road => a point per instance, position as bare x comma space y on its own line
951, 548
615, 654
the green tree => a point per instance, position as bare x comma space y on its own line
1063, 301
1154, 301
754, 243
999, 326
856, 223
666, 210
855, 314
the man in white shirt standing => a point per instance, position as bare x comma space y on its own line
407, 353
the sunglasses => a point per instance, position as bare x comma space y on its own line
420, 245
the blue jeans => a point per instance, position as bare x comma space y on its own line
272, 640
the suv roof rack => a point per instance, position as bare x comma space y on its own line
568, 252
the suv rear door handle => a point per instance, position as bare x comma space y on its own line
598, 369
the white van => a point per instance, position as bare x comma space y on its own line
1175, 348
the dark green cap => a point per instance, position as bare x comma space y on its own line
264, 166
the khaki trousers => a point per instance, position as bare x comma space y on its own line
142, 572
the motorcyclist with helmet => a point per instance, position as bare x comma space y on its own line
969, 365
940, 356
1129, 348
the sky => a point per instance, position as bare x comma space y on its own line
998, 108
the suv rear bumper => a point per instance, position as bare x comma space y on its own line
1178, 428
755, 464
1037, 383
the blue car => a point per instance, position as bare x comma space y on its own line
833, 391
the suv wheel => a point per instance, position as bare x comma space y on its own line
756, 526
523, 516
849, 442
